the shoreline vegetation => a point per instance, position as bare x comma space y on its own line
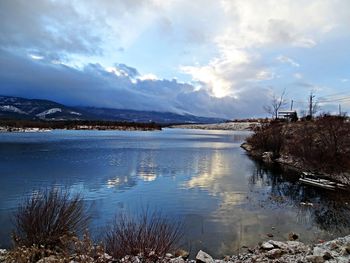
42, 126
51, 227
320, 146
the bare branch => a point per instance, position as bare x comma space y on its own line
276, 104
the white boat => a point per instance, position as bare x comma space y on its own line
312, 179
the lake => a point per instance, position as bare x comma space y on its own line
203, 178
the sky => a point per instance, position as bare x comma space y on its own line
218, 58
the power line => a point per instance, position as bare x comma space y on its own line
335, 100
335, 94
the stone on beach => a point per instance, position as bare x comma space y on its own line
204, 257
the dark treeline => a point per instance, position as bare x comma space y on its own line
78, 124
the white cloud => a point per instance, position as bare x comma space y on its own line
148, 76
36, 57
285, 59
298, 75
265, 75
251, 25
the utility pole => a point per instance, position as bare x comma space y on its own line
312, 96
339, 110
291, 105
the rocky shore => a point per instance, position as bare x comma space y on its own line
233, 126
337, 250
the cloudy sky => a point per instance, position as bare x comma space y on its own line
222, 58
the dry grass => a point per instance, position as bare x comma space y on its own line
149, 235
322, 144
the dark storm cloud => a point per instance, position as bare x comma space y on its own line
95, 86
47, 27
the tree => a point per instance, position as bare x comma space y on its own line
313, 106
276, 104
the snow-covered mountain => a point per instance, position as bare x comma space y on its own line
20, 108
35, 109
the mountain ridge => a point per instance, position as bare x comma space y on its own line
40, 109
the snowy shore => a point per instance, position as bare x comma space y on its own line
234, 126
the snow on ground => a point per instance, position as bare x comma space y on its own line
11, 109
75, 113
235, 126
48, 112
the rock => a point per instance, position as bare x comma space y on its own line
292, 236
269, 235
50, 259
334, 245
345, 251
182, 253
3, 253
247, 147
133, 259
318, 251
151, 254
306, 204
169, 255
204, 257
327, 256
296, 246
347, 248
267, 157
250, 250
227, 258
177, 260
274, 253
267, 246
315, 259
136, 259
278, 244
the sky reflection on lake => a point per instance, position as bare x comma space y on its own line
204, 178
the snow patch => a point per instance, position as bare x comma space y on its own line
48, 112
75, 113
11, 109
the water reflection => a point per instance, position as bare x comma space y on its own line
203, 177
329, 210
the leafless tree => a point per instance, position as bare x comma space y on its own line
314, 107
275, 105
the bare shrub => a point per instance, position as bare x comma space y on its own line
268, 138
333, 143
149, 235
50, 218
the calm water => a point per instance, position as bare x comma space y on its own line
204, 178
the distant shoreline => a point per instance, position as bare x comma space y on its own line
34, 130
44, 126
228, 126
